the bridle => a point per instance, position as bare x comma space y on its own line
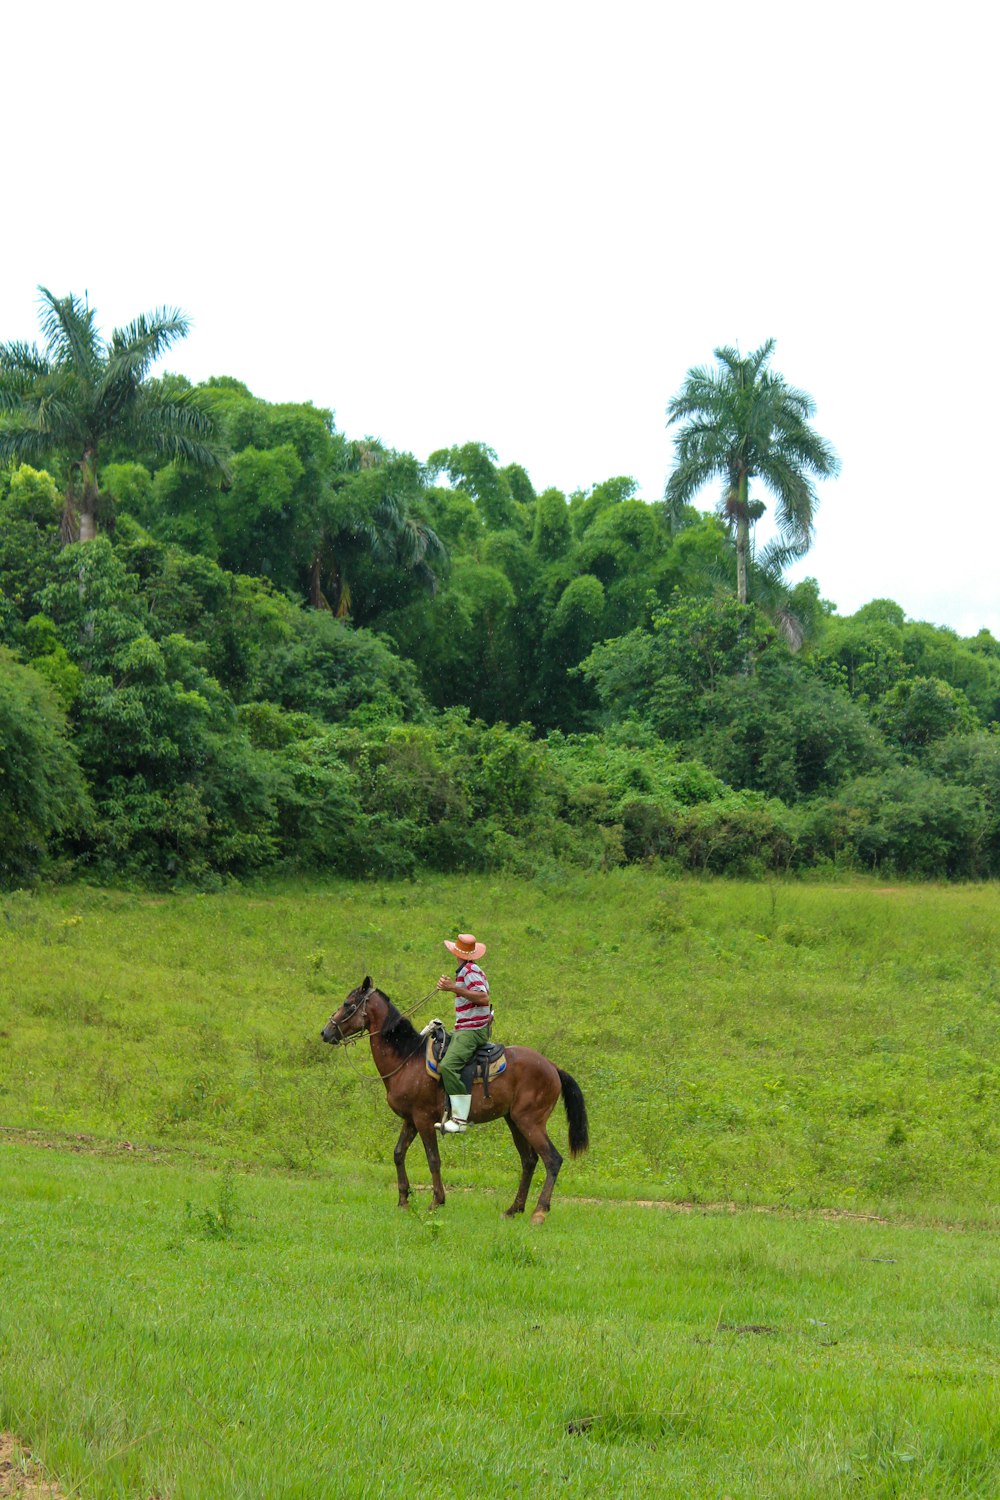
362, 1006
354, 1036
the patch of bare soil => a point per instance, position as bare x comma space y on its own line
85, 1145
20, 1476
669, 1206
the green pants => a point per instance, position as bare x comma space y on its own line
463, 1044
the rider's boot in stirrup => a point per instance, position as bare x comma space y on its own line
460, 1104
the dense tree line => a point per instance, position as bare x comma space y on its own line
231, 639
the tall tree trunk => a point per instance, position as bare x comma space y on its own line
742, 549
88, 502
340, 591
317, 598
69, 525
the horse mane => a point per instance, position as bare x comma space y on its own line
398, 1033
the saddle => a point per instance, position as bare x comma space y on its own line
485, 1064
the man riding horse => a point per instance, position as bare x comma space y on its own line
523, 1094
473, 1020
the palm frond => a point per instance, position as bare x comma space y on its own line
70, 333
426, 576
135, 348
53, 413
178, 428
21, 369
756, 361
416, 544
703, 392
23, 359
802, 446
692, 473
24, 445
789, 627
365, 453
771, 592
45, 405
796, 498
434, 547
775, 557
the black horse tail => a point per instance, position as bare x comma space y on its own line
576, 1114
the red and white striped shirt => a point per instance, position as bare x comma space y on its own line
470, 1015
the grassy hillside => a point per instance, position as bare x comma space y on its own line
834, 1046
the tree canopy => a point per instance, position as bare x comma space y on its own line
300, 649
73, 401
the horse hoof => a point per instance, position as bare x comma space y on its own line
539, 1216
512, 1213
403, 1203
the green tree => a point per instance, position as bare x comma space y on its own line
84, 395
551, 534
472, 467
42, 793
864, 652
973, 761
902, 820
585, 506
29, 534
783, 732
921, 710
262, 526
742, 422
665, 675
178, 790
561, 700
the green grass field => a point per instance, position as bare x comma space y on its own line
206, 1289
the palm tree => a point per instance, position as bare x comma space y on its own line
743, 422
369, 519
83, 394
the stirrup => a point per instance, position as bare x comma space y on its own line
454, 1126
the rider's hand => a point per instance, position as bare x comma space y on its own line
446, 983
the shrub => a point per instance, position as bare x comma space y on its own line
906, 821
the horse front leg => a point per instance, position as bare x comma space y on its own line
529, 1160
406, 1136
429, 1137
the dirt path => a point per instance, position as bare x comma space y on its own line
671, 1206
96, 1146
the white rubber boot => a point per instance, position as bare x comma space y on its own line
460, 1106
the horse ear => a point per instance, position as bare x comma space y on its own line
366, 983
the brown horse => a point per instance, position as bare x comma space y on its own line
524, 1095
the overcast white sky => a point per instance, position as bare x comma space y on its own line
522, 223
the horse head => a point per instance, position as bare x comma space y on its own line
350, 1017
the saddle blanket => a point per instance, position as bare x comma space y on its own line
486, 1063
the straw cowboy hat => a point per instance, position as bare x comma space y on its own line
466, 949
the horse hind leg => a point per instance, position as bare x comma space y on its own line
529, 1160
406, 1136
538, 1140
